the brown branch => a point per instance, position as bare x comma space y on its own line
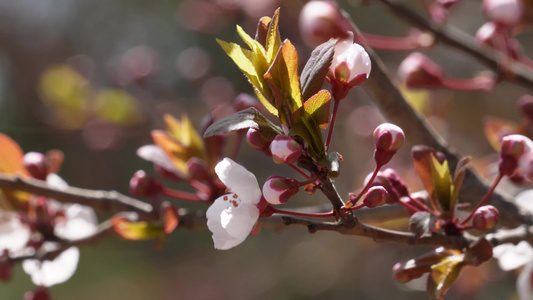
461, 41
391, 103
109, 201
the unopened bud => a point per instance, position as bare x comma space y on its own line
350, 67
526, 106
514, 148
198, 169
504, 12
143, 185
256, 140
36, 164
40, 293
418, 71
277, 189
376, 196
389, 138
244, 101
322, 20
485, 217
285, 149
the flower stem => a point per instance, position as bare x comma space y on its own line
295, 168
302, 214
332, 122
180, 195
423, 206
485, 198
367, 186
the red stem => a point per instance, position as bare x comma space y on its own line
485, 198
367, 186
423, 206
332, 122
295, 168
301, 214
180, 195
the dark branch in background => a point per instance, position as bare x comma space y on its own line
396, 110
461, 41
108, 201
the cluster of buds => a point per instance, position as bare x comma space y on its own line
389, 139
391, 181
419, 71
516, 156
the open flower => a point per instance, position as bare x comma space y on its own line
232, 216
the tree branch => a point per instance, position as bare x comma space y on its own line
461, 41
109, 201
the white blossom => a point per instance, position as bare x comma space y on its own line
232, 216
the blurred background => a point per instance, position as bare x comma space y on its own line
93, 78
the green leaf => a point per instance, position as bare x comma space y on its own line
253, 65
317, 107
282, 77
309, 132
442, 182
458, 177
273, 38
136, 230
248, 118
333, 163
262, 30
443, 275
317, 68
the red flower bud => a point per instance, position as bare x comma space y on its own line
257, 141
142, 185
322, 20
285, 149
485, 217
376, 196
418, 71
526, 106
514, 154
389, 138
40, 293
278, 190
36, 164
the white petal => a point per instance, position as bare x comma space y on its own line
239, 180
511, 257
80, 221
230, 225
53, 180
523, 283
13, 233
59, 270
157, 155
524, 200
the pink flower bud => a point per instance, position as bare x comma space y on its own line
418, 71
486, 33
504, 12
526, 106
485, 217
322, 20
257, 141
277, 189
244, 101
285, 149
389, 138
376, 196
142, 185
198, 169
36, 164
514, 148
40, 293
351, 64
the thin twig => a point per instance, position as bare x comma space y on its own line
109, 201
